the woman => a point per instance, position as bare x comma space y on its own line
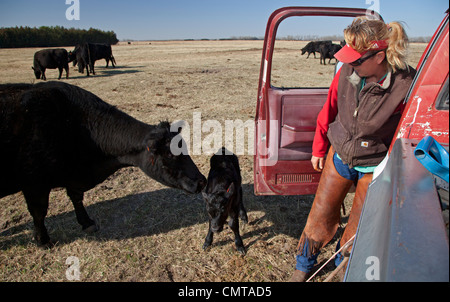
363, 108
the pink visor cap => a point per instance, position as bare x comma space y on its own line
348, 55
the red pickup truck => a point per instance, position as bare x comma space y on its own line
404, 224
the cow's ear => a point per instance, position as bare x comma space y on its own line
151, 146
230, 190
32, 67
153, 140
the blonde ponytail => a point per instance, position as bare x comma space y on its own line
398, 42
364, 31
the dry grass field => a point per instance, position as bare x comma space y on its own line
149, 232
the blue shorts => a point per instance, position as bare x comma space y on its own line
344, 170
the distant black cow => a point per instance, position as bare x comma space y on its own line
313, 47
52, 59
86, 54
223, 197
58, 135
327, 51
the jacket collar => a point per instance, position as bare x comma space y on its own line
355, 80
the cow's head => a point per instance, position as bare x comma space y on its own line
158, 162
37, 72
71, 56
218, 198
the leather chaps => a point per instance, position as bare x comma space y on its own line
324, 217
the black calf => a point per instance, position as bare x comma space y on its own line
223, 197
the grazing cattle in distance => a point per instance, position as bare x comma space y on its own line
51, 59
86, 54
73, 55
223, 197
313, 47
59, 135
327, 51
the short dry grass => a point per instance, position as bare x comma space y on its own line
149, 232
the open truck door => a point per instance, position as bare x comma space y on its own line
287, 110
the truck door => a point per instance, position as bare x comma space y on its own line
292, 90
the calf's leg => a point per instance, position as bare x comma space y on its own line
209, 237
234, 226
242, 211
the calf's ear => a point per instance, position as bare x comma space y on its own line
230, 190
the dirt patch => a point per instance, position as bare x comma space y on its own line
149, 232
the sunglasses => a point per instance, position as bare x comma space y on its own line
362, 60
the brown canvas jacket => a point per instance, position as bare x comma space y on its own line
367, 119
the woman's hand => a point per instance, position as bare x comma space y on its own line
317, 163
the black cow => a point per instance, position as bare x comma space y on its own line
223, 197
313, 47
87, 53
59, 135
327, 51
52, 59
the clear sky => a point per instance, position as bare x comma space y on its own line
209, 19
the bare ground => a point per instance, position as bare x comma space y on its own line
149, 232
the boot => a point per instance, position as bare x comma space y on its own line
299, 276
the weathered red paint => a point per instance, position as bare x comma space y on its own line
421, 117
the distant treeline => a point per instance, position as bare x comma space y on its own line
317, 38
52, 36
